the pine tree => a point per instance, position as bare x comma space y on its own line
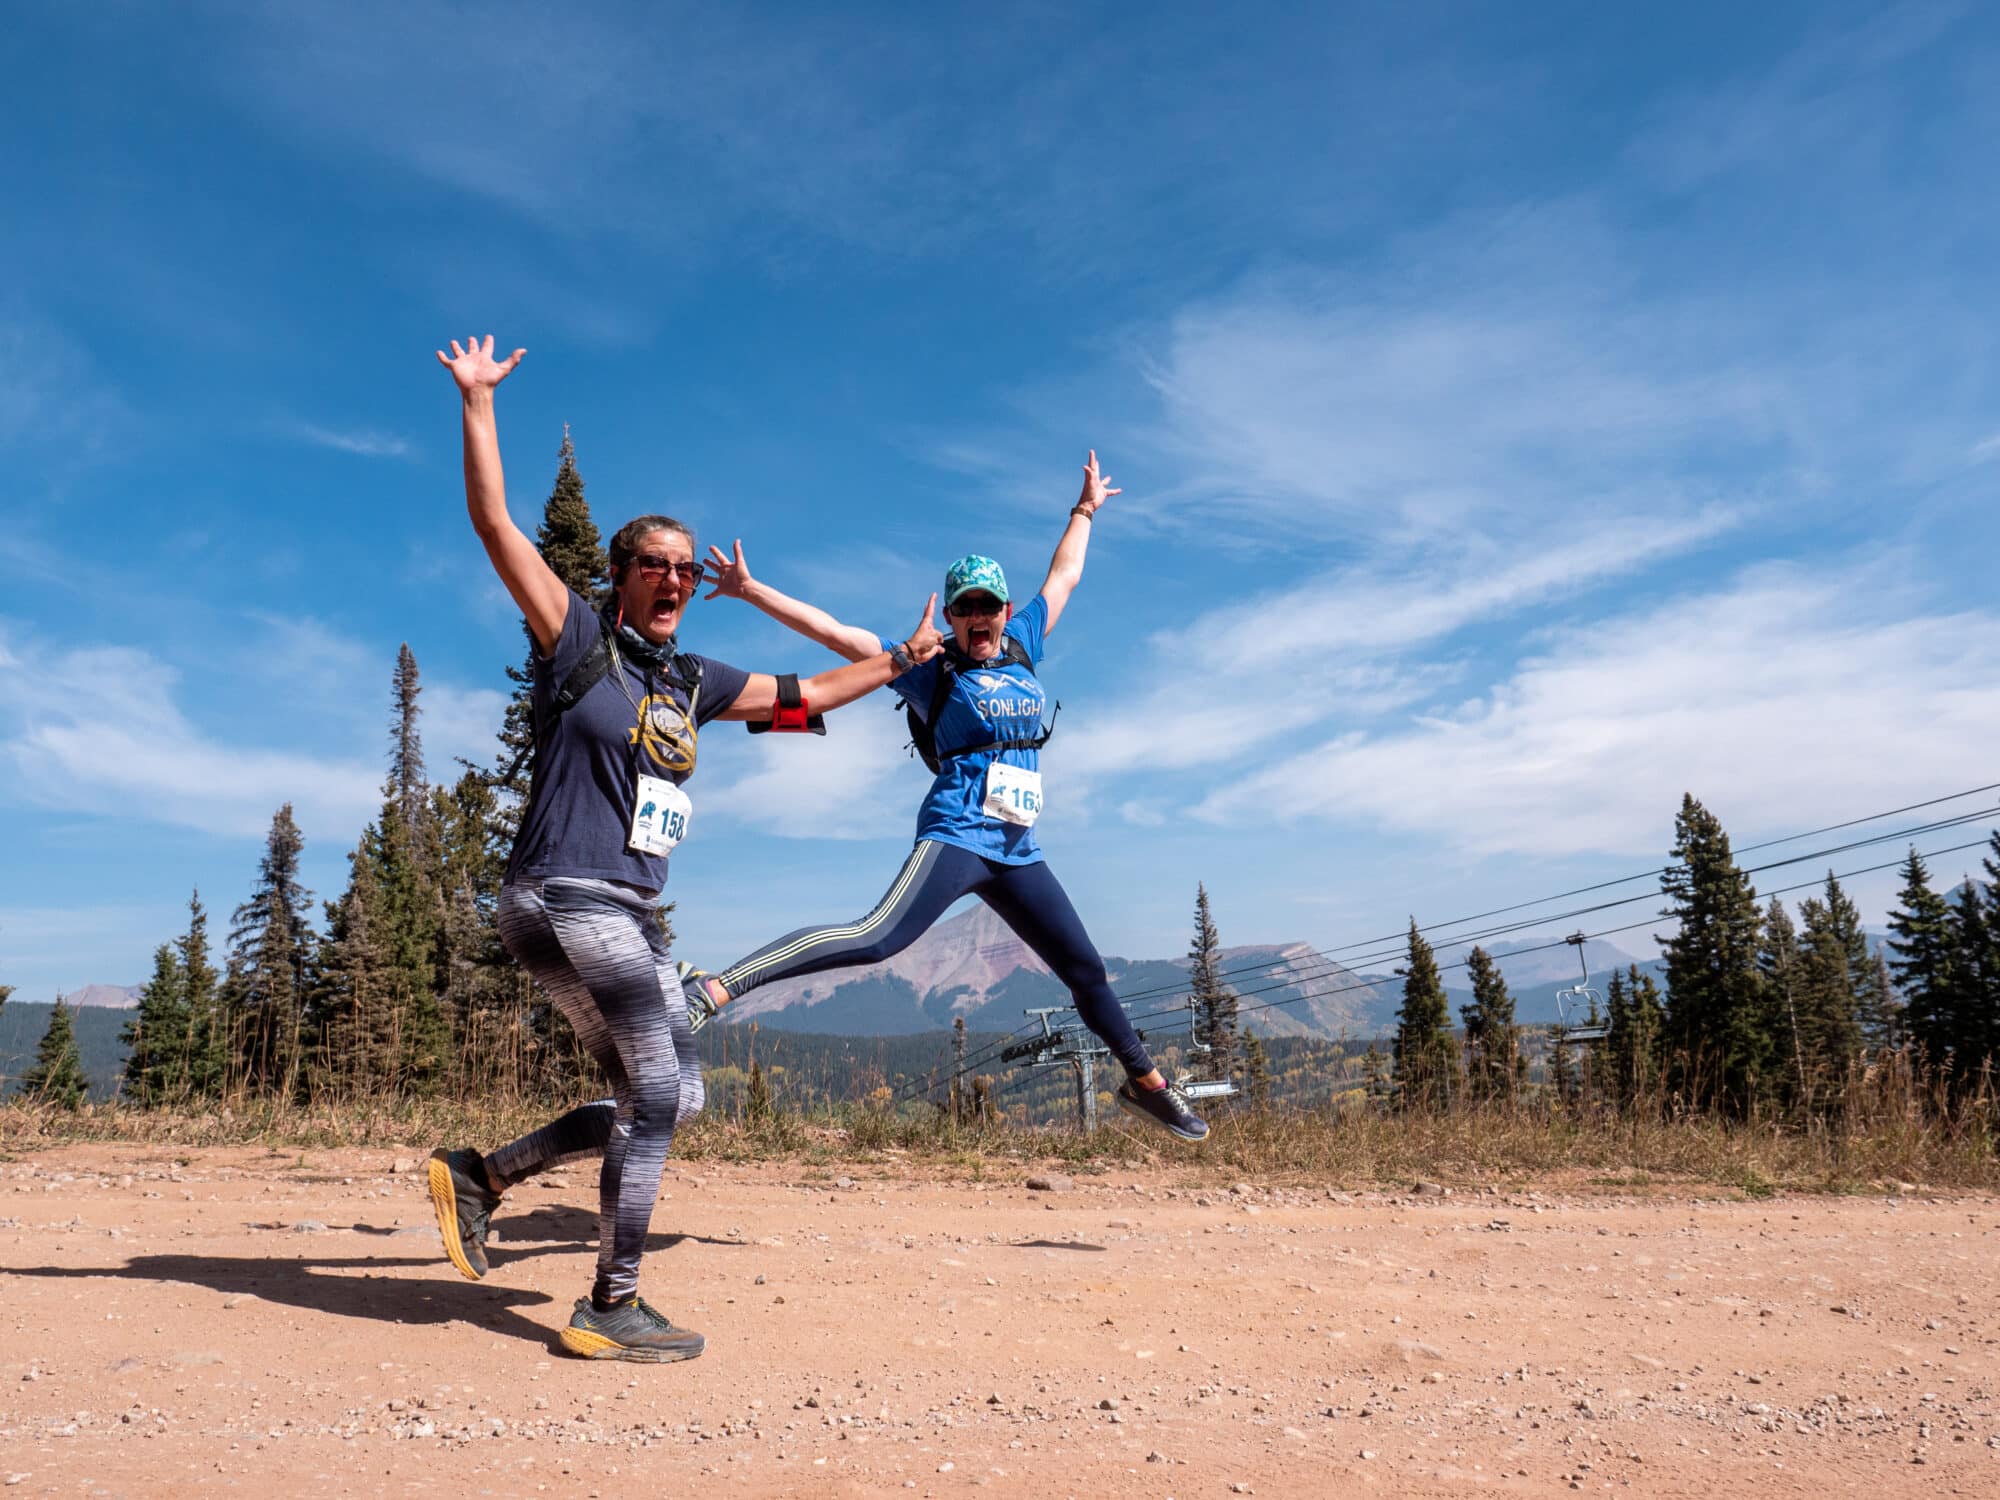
1256, 1072
1882, 1009
1214, 1001
206, 1065
1836, 971
1923, 947
1976, 994
1719, 1032
270, 943
5, 991
1492, 1039
1780, 961
569, 542
57, 1076
1426, 1060
1983, 1028
156, 1036
406, 751
1375, 1083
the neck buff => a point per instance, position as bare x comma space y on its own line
634, 645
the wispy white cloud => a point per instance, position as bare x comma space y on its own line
134, 754
856, 783
57, 405
1344, 644
1986, 449
1788, 694
138, 755
362, 442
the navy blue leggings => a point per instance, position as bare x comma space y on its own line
1026, 897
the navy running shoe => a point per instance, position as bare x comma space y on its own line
1166, 1108
694, 987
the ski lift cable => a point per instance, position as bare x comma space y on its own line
1397, 941
1643, 875
1562, 942
991, 1051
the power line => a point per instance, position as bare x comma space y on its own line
1398, 939
1563, 942
1324, 956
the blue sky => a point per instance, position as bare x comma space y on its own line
1524, 414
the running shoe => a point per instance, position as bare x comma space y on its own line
1167, 1108
464, 1204
694, 986
631, 1330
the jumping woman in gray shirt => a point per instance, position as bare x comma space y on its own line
618, 710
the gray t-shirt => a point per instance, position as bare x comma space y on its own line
589, 761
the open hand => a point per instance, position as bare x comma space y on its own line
474, 366
925, 642
1097, 488
730, 575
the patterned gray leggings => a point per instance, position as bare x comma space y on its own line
597, 949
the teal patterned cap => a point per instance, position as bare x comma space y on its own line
974, 572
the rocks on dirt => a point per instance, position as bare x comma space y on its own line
1050, 1182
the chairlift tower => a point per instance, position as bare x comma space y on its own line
1072, 1044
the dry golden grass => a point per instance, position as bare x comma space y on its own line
1873, 1150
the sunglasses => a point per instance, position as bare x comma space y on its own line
970, 606
653, 568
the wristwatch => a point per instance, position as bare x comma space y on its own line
899, 658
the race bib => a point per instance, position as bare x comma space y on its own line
659, 817
1013, 795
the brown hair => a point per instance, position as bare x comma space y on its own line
625, 541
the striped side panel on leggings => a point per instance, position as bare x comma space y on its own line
746, 974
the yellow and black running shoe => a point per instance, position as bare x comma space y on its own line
464, 1205
631, 1330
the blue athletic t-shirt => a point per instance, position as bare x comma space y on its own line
588, 764
996, 700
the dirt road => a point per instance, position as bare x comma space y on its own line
246, 1322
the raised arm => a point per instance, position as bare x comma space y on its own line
732, 580
842, 685
1066, 567
541, 595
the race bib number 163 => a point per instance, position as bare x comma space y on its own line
1013, 795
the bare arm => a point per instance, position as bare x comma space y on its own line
1066, 567
842, 685
731, 577
542, 597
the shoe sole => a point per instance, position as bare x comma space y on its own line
444, 1198
596, 1346
1137, 1112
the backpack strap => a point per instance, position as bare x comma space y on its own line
1015, 653
585, 675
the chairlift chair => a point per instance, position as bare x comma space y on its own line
1581, 1001
1188, 1083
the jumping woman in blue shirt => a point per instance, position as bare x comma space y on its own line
976, 829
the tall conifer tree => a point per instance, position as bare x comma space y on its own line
207, 1062
1426, 1059
270, 944
1719, 1033
569, 542
1923, 951
156, 1035
57, 1076
1492, 1039
1214, 1001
